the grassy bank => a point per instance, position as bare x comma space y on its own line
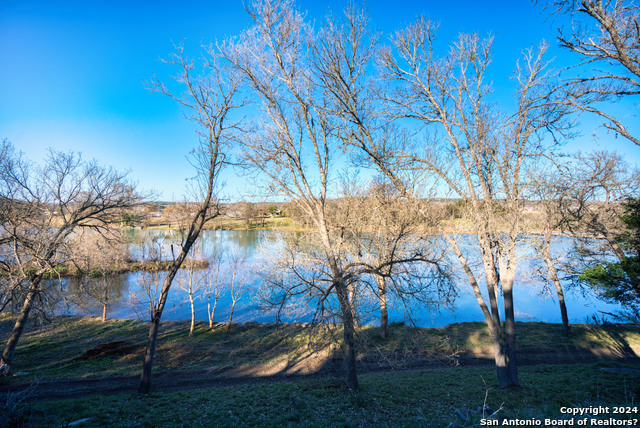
80, 347
438, 381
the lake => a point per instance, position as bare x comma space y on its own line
252, 252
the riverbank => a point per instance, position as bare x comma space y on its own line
83, 347
415, 373
228, 223
286, 224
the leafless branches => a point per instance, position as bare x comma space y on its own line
41, 207
210, 100
606, 36
299, 79
477, 152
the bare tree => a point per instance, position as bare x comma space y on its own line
179, 215
145, 299
99, 259
584, 197
296, 148
209, 101
213, 285
237, 278
248, 213
192, 282
605, 36
470, 148
549, 190
600, 183
42, 206
379, 227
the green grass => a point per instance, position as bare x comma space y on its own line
55, 350
415, 398
401, 398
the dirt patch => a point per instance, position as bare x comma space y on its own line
112, 349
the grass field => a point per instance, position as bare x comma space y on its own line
70, 348
63, 348
415, 398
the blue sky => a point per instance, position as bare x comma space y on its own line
72, 72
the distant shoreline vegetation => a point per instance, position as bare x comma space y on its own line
66, 270
453, 217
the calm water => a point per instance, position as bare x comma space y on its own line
253, 249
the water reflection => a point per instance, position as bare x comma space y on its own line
97, 293
125, 293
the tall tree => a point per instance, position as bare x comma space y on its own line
470, 149
295, 146
41, 206
209, 101
294, 149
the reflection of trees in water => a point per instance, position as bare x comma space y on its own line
97, 293
153, 244
71, 295
245, 242
261, 247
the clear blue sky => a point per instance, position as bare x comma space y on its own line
72, 72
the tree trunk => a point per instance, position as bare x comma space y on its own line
211, 312
193, 316
349, 336
491, 316
384, 316
499, 355
505, 350
145, 380
553, 273
505, 365
233, 305
510, 329
104, 302
10, 347
352, 304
